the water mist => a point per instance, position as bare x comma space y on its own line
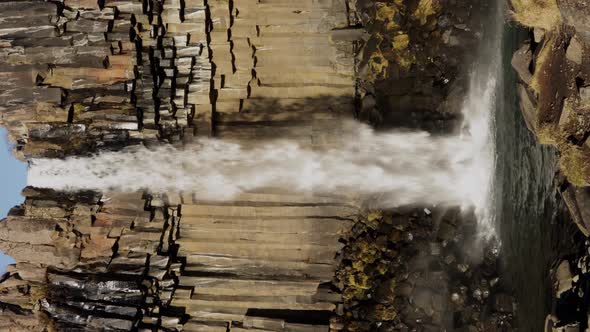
393, 168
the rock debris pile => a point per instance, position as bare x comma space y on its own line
417, 270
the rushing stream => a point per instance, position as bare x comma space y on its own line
530, 219
522, 208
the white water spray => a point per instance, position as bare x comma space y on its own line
478, 110
398, 168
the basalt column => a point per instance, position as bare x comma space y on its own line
83, 76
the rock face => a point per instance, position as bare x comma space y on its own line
115, 74
554, 71
80, 76
86, 259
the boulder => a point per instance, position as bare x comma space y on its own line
521, 61
563, 278
577, 200
575, 51
528, 107
576, 14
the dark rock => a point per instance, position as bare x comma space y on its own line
504, 303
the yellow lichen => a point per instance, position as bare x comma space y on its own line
400, 42
405, 59
547, 135
384, 313
77, 109
386, 13
425, 10
575, 164
378, 66
359, 280
536, 13
37, 292
375, 215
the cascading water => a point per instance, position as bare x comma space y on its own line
479, 107
397, 167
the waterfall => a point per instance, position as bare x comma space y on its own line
393, 168
482, 101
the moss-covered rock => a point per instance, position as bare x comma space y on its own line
575, 164
400, 42
426, 12
378, 66
390, 14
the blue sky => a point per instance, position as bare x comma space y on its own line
13, 178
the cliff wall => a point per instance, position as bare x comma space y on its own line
85, 76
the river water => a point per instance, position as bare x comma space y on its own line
529, 216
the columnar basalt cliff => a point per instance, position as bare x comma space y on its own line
83, 76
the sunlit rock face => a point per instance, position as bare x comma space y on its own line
86, 77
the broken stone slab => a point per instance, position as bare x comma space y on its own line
577, 200
538, 34
575, 51
576, 14
521, 61
563, 278
528, 107
26, 230
88, 26
56, 130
